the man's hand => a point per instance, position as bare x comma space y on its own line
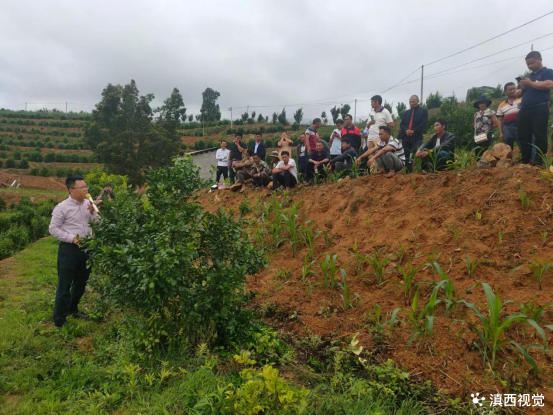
371, 122
358, 160
409, 132
90, 208
423, 154
256, 175
371, 161
526, 82
501, 137
76, 240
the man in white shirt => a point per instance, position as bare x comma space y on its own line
336, 139
380, 117
222, 156
285, 173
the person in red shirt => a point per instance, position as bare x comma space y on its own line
351, 132
312, 133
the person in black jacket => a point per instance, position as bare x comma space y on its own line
345, 160
259, 147
413, 124
442, 144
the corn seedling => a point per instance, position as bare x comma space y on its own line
308, 234
407, 282
378, 324
421, 321
524, 199
244, 207
291, 222
417, 164
535, 312
544, 237
539, 269
471, 265
306, 269
478, 215
433, 158
415, 234
546, 158
491, 333
499, 237
379, 261
368, 222
328, 238
359, 259
329, 270
432, 257
446, 285
463, 159
456, 233
400, 253
348, 300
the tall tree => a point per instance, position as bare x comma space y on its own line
335, 113
434, 100
345, 110
324, 117
244, 116
253, 114
388, 107
260, 118
275, 117
210, 110
123, 136
401, 108
298, 115
190, 118
282, 117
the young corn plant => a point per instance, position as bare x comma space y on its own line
499, 237
544, 237
379, 261
290, 220
407, 282
421, 322
359, 260
535, 312
329, 270
524, 199
456, 233
348, 299
491, 336
308, 234
446, 285
471, 265
306, 270
539, 269
433, 157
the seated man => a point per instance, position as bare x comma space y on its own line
285, 173
316, 162
388, 153
441, 144
243, 170
260, 172
344, 161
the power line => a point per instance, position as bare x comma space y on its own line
486, 41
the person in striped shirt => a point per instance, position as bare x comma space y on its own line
388, 153
507, 114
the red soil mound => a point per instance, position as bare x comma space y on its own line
419, 213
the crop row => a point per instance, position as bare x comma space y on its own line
56, 124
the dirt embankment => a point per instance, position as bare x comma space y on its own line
476, 212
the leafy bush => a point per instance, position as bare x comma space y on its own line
460, 121
179, 269
3, 205
10, 164
24, 164
96, 179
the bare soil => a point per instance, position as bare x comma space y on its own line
419, 213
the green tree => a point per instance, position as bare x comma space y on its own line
282, 117
335, 113
298, 115
401, 108
210, 110
388, 107
190, 118
253, 115
434, 100
324, 117
344, 109
123, 136
275, 117
244, 116
260, 118
172, 112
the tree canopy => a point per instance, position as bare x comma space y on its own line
210, 110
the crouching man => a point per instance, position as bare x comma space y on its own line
388, 154
285, 173
261, 172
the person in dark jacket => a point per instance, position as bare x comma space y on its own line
303, 151
442, 144
351, 132
413, 124
345, 160
259, 147
317, 160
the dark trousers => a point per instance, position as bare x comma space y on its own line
302, 168
262, 180
510, 134
284, 178
243, 176
311, 171
232, 173
410, 147
532, 121
484, 145
72, 277
222, 170
441, 162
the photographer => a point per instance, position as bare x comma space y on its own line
106, 195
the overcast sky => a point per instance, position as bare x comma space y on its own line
259, 53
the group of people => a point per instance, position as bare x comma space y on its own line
522, 117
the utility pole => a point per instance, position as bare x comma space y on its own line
532, 48
66, 107
422, 84
248, 111
355, 111
25, 106
230, 109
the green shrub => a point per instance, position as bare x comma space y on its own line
24, 164
177, 267
96, 178
10, 164
3, 204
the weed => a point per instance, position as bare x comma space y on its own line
283, 274
471, 265
368, 222
415, 234
535, 312
539, 269
328, 238
244, 207
348, 300
379, 261
478, 215
354, 205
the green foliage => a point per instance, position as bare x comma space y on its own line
539, 269
460, 120
10, 164
421, 322
23, 164
179, 269
124, 136
335, 112
407, 282
434, 100
210, 110
379, 261
96, 178
348, 298
401, 108
492, 336
298, 115
471, 265
282, 117
329, 270
344, 109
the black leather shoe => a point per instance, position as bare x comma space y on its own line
80, 316
59, 326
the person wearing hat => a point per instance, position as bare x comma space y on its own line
485, 121
275, 158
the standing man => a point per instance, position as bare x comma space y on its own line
222, 157
70, 223
312, 134
259, 147
413, 124
388, 154
507, 114
380, 117
351, 132
236, 150
336, 139
533, 116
